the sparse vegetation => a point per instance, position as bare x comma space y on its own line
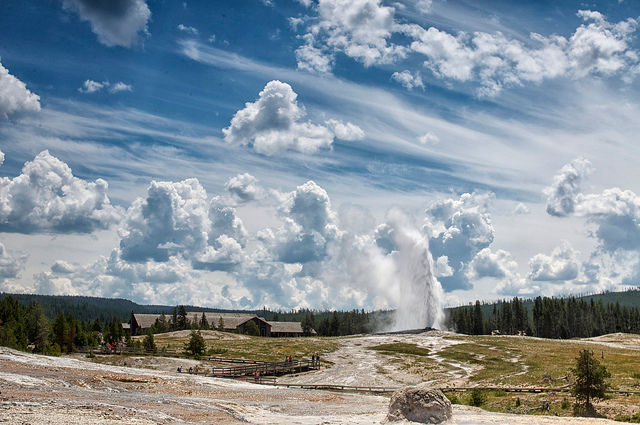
478, 397
401, 348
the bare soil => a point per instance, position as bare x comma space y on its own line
74, 390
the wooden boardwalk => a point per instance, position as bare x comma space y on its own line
264, 369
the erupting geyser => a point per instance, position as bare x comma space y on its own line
420, 295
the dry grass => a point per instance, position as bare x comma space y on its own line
229, 345
504, 359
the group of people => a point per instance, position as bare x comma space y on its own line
191, 369
315, 360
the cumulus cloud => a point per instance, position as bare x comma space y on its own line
408, 80
10, 265
15, 98
459, 229
187, 29
116, 23
599, 47
90, 86
176, 219
46, 197
613, 218
560, 266
442, 267
309, 225
1, 157
62, 267
173, 217
360, 29
363, 30
120, 86
616, 214
566, 186
500, 265
244, 187
345, 131
273, 124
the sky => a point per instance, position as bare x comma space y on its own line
280, 153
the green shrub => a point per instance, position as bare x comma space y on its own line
216, 351
52, 350
518, 402
478, 397
453, 398
565, 404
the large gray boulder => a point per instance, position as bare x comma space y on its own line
419, 403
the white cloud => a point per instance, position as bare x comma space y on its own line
358, 28
46, 197
442, 267
309, 225
429, 138
616, 214
62, 267
116, 23
408, 80
345, 131
459, 229
15, 98
272, 124
500, 265
1, 157
521, 209
244, 187
188, 29
173, 218
10, 265
562, 265
90, 86
313, 59
120, 86
363, 30
601, 47
561, 195
424, 6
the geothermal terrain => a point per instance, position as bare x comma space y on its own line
148, 390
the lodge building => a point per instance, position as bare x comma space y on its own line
232, 322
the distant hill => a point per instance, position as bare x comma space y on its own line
628, 298
91, 308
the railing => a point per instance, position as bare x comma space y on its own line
266, 368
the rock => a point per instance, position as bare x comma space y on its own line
419, 403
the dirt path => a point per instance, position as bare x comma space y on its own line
356, 364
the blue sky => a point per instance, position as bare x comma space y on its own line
282, 153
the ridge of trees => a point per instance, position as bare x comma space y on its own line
546, 317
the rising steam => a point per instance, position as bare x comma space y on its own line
419, 296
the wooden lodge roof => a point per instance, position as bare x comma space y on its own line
286, 327
145, 321
231, 320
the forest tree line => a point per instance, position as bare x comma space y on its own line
28, 328
335, 323
547, 318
